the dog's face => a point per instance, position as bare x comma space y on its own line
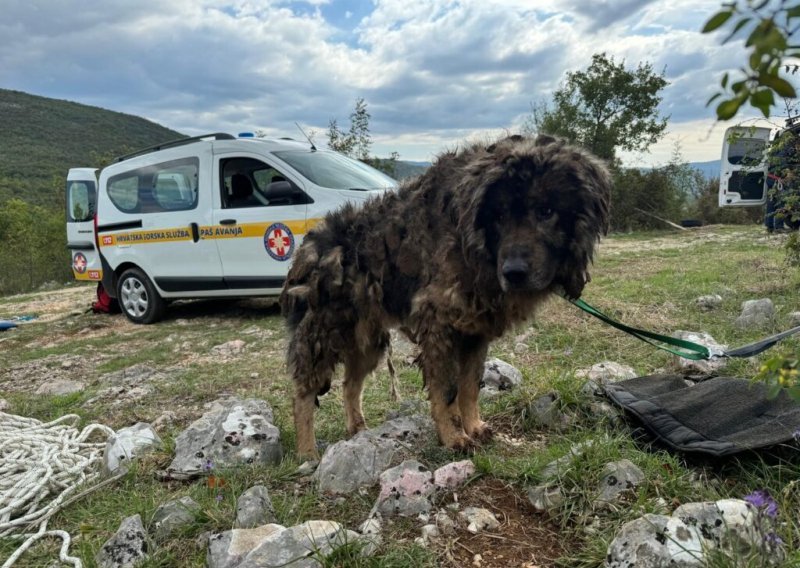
541, 207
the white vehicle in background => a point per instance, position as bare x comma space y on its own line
208, 216
746, 179
744, 167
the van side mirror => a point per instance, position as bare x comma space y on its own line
280, 190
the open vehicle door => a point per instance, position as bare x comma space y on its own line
81, 204
743, 168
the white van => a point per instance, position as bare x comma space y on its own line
208, 216
744, 167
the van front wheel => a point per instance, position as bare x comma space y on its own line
138, 297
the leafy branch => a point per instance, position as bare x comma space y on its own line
769, 31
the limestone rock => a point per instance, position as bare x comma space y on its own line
479, 519
254, 508
229, 349
499, 376
349, 465
406, 490
708, 367
556, 468
410, 429
60, 387
445, 523
127, 547
172, 516
756, 313
546, 497
619, 477
299, 546
371, 537
684, 539
453, 475
546, 411
708, 303
230, 548
656, 541
233, 432
602, 374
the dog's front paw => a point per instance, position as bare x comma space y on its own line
462, 443
482, 433
355, 427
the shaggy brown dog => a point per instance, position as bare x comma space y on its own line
454, 258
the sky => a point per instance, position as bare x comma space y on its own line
434, 73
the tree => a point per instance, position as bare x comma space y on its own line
769, 28
605, 108
34, 246
357, 142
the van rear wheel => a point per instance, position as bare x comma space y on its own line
138, 297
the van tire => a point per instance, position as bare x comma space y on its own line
138, 298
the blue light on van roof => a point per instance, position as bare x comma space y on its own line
246, 135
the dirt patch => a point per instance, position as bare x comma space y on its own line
690, 238
51, 305
525, 538
29, 376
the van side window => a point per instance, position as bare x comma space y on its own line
246, 183
170, 186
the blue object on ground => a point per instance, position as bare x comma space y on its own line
23, 318
4, 325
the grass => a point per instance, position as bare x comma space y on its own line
646, 280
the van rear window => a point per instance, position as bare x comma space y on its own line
80, 201
747, 151
169, 186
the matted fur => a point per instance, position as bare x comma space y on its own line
454, 258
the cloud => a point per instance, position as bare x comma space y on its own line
432, 71
603, 13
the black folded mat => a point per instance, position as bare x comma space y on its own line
719, 416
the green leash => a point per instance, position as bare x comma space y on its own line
681, 347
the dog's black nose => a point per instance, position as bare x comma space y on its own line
516, 271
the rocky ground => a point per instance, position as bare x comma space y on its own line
204, 440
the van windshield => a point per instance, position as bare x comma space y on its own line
335, 171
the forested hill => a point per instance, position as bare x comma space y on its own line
41, 138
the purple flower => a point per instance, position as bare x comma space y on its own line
762, 500
219, 497
773, 539
208, 465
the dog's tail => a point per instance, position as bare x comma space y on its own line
294, 304
299, 292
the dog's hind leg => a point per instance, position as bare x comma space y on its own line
472, 354
357, 365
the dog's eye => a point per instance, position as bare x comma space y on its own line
544, 213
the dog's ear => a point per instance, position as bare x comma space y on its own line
477, 190
544, 140
593, 183
512, 139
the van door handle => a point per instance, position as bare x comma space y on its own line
228, 222
195, 232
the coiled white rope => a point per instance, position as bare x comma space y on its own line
41, 466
